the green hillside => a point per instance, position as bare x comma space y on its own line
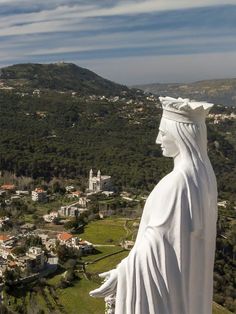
59, 76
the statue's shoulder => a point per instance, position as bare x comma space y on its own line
173, 180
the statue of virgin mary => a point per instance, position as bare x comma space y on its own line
170, 268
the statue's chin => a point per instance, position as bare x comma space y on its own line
165, 154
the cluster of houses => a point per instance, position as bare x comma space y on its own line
32, 261
12, 193
221, 117
37, 258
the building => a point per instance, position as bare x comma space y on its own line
2, 192
36, 254
8, 187
75, 209
70, 188
64, 237
68, 211
4, 221
75, 194
99, 183
127, 245
106, 213
70, 241
50, 217
22, 192
39, 195
5, 239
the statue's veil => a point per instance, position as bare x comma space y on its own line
191, 139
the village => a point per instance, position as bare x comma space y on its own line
34, 250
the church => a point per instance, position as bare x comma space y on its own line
99, 183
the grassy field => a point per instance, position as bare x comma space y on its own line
107, 231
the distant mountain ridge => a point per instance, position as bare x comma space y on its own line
58, 76
218, 91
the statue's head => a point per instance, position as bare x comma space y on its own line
169, 145
182, 128
182, 134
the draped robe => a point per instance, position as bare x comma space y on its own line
170, 268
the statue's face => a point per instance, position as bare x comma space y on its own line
167, 141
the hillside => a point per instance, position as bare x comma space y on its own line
58, 76
222, 91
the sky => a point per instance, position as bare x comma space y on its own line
127, 41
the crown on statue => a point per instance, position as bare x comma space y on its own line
184, 109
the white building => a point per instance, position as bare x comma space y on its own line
4, 221
71, 241
99, 183
50, 217
22, 192
68, 211
39, 195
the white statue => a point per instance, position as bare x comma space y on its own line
170, 268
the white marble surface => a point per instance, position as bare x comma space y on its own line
170, 268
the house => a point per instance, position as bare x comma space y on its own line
5, 252
70, 188
39, 195
27, 227
36, 92
8, 187
128, 245
75, 194
83, 246
23, 193
83, 201
64, 237
4, 238
50, 244
106, 213
68, 211
37, 255
50, 217
73, 210
3, 267
4, 221
2, 192
223, 204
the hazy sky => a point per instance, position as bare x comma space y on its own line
127, 41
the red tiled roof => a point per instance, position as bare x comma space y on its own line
8, 186
12, 264
4, 237
64, 236
76, 193
39, 190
